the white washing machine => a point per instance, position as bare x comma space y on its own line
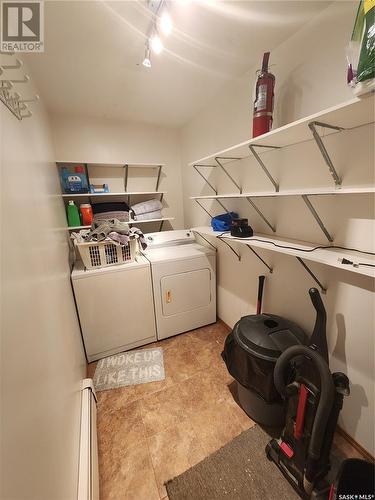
115, 306
184, 282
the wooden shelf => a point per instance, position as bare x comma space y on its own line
348, 115
300, 249
133, 193
291, 192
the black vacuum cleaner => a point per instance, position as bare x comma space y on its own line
313, 398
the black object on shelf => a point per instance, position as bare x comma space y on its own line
110, 206
240, 228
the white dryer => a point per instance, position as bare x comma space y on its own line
184, 282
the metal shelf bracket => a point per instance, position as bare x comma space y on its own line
217, 159
260, 213
317, 218
261, 163
260, 258
158, 177
126, 176
207, 212
203, 208
203, 177
322, 148
322, 288
205, 239
230, 246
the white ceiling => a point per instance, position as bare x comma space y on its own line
94, 50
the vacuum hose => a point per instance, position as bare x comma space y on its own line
326, 401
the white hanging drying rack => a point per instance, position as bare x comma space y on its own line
12, 99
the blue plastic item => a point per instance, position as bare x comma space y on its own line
223, 222
99, 188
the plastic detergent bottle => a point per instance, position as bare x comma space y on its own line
73, 214
86, 214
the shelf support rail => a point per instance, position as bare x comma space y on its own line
161, 225
322, 288
317, 218
230, 246
126, 176
260, 213
261, 163
217, 159
158, 177
203, 177
205, 239
322, 148
260, 258
207, 212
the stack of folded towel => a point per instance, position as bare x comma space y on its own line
147, 210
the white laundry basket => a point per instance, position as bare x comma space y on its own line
106, 253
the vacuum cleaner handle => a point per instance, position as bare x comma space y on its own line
260, 294
327, 392
318, 339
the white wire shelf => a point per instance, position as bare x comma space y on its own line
287, 192
329, 257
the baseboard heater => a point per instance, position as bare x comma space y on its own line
88, 477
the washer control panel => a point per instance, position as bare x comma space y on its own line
169, 238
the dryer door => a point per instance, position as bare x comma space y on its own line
186, 291
185, 294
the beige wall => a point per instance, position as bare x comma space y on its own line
42, 358
310, 76
107, 141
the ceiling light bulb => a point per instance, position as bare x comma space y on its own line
147, 60
156, 44
165, 23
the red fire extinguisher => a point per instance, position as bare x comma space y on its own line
263, 104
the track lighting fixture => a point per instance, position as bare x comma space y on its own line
161, 23
165, 23
156, 44
147, 60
